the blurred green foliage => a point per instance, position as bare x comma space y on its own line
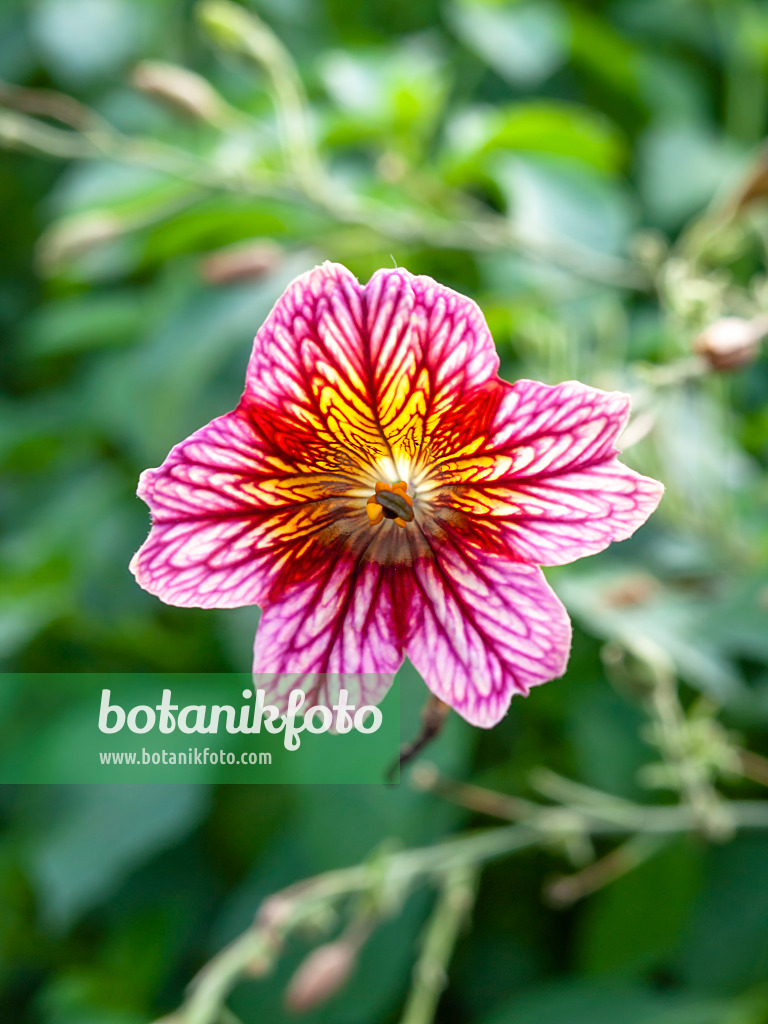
594, 131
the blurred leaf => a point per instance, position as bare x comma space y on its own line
607, 53
99, 835
128, 189
396, 92
536, 126
523, 43
726, 946
682, 167
595, 1003
82, 323
551, 199
623, 932
673, 620
607, 748
150, 397
83, 39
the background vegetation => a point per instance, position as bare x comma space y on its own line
590, 173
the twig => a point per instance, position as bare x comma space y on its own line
753, 766
395, 875
56, 105
433, 718
426, 778
300, 903
492, 233
671, 737
567, 889
454, 903
234, 28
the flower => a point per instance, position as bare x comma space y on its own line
380, 491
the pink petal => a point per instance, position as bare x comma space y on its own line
341, 377
483, 629
374, 367
230, 516
546, 485
345, 622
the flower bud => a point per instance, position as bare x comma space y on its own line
76, 235
274, 913
181, 89
240, 262
226, 23
321, 975
731, 343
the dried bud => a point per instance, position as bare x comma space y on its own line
274, 913
633, 589
240, 262
74, 236
321, 975
731, 343
181, 89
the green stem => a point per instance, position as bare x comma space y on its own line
454, 902
393, 876
487, 234
234, 28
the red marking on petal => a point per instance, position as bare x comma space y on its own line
373, 368
477, 627
344, 620
544, 484
230, 518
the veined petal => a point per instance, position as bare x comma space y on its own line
545, 485
344, 623
230, 516
483, 629
374, 367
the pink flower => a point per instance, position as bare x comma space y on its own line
380, 492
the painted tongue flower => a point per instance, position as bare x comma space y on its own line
380, 492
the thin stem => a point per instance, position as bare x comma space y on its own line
487, 234
301, 902
695, 783
393, 876
753, 766
454, 903
235, 28
433, 718
426, 778
567, 889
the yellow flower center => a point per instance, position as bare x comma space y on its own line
390, 501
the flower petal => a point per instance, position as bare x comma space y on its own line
231, 516
546, 486
345, 622
373, 368
483, 629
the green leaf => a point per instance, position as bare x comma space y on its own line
682, 167
623, 931
539, 126
524, 43
555, 199
583, 1002
98, 834
726, 947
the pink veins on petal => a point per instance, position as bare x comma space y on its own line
380, 492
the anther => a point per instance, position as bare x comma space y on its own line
390, 501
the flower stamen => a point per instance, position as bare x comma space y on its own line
390, 501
